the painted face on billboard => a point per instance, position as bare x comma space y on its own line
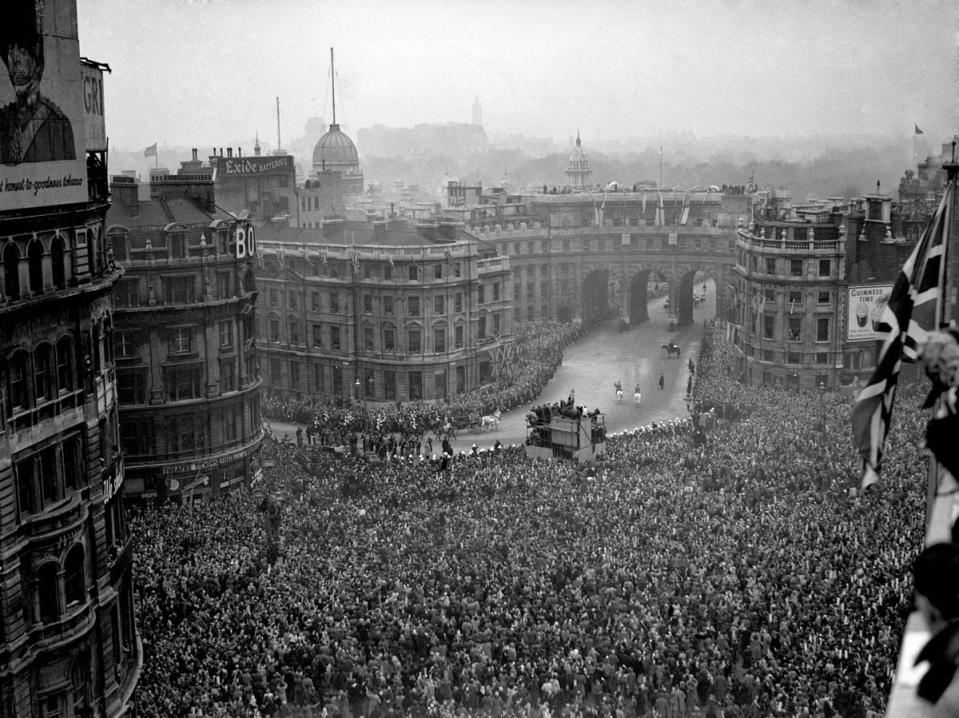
32, 127
25, 71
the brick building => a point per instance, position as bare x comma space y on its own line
380, 312
68, 639
187, 376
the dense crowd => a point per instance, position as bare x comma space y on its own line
733, 577
537, 352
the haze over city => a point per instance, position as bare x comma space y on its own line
201, 73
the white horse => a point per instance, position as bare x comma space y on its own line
491, 422
619, 396
637, 397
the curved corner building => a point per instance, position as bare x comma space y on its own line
187, 379
67, 638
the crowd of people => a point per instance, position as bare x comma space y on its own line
537, 351
729, 578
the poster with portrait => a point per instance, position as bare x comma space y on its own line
864, 311
42, 137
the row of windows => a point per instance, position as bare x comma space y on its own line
790, 357
323, 266
177, 241
47, 270
178, 289
794, 267
600, 244
388, 303
792, 327
40, 376
181, 382
331, 336
181, 341
372, 385
192, 433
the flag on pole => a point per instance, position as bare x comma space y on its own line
685, 218
918, 131
150, 151
913, 310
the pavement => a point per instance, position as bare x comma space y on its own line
591, 367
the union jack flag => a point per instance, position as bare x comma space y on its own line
913, 310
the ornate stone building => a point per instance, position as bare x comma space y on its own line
578, 173
790, 276
381, 312
187, 375
68, 639
810, 289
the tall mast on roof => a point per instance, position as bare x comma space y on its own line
333, 84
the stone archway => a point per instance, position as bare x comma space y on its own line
639, 294
685, 314
595, 296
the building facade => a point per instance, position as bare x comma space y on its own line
68, 638
187, 377
319, 199
810, 289
381, 313
789, 280
263, 186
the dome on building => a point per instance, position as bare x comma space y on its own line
578, 173
335, 151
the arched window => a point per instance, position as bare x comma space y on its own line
51, 482
35, 261
74, 576
248, 285
65, 364
48, 591
43, 387
56, 259
17, 389
11, 270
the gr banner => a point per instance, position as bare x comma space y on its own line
42, 136
864, 311
91, 75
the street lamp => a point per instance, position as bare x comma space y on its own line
822, 407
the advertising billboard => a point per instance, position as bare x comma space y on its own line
42, 137
253, 166
91, 77
864, 311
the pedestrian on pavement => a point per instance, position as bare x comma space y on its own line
662, 381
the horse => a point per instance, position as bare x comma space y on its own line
491, 422
637, 397
671, 349
619, 396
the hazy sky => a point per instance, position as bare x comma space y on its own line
201, 73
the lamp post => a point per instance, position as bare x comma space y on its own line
822, 407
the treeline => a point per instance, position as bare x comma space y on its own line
846, 172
